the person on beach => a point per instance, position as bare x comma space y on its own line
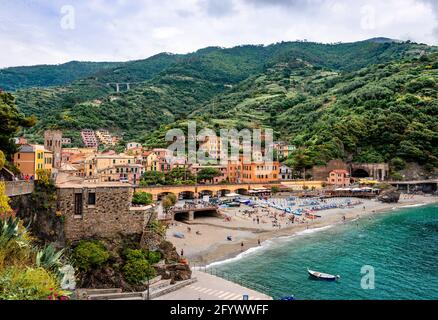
241, 246
258, 241
182, 252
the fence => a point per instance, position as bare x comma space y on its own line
233, 278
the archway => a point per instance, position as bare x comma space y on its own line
360, 173
242, 191
160, 196
223, 192
205, 193
186, 195
181, 216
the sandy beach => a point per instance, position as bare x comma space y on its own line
211, 244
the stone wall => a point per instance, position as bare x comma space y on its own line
17, 188
322, 172
111, 214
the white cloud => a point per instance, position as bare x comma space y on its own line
114, 30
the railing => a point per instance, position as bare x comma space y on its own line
233, 278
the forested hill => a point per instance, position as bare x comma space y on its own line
381, 113
311, 94
49, 75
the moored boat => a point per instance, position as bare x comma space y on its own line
322, 276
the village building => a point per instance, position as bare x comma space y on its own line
99, 210
240, 171
53, 142
106, 138
31, 158
130, 173
283, 149
222, 169
339, 178
285, 173
89, 139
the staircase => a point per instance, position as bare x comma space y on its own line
157, 288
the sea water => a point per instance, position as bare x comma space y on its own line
389, 256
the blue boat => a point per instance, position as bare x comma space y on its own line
289, 298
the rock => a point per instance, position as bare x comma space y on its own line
389, 196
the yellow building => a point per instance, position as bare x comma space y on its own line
31, 158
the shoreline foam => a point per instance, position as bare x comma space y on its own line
221, 253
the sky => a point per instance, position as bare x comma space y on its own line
57, 31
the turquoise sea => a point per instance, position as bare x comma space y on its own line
401, 246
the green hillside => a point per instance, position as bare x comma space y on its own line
49, 75
379, 113
356, 101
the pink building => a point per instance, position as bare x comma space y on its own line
339, 178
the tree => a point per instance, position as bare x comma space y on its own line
208, 174
179, 176
300, 160
169, 201
11, 121
275, 190
142, 198
152, 178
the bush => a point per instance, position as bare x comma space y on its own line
27, 284
89, 255
142, 198
275, 190
154, 257
137, 269
398, 164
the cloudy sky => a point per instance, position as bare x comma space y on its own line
57, 31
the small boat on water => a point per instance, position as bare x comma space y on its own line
322, 276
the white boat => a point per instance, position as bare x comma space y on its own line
323, 276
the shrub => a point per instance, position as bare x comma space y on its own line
4, 200
15, 243
49, 258
27, 284
158, 227
154, 257
89, 255
137, 269
398, 164
275, 190
142, 198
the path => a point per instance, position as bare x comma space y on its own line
210, 287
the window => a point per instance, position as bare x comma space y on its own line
78, 204
91, 198
19, 156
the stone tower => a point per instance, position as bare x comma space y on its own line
53, 142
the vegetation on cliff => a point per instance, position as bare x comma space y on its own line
28, 272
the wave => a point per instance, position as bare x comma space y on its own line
414, 205
267, 245
411, 206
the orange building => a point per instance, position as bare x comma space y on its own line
31, 158
339, 178
254, 172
